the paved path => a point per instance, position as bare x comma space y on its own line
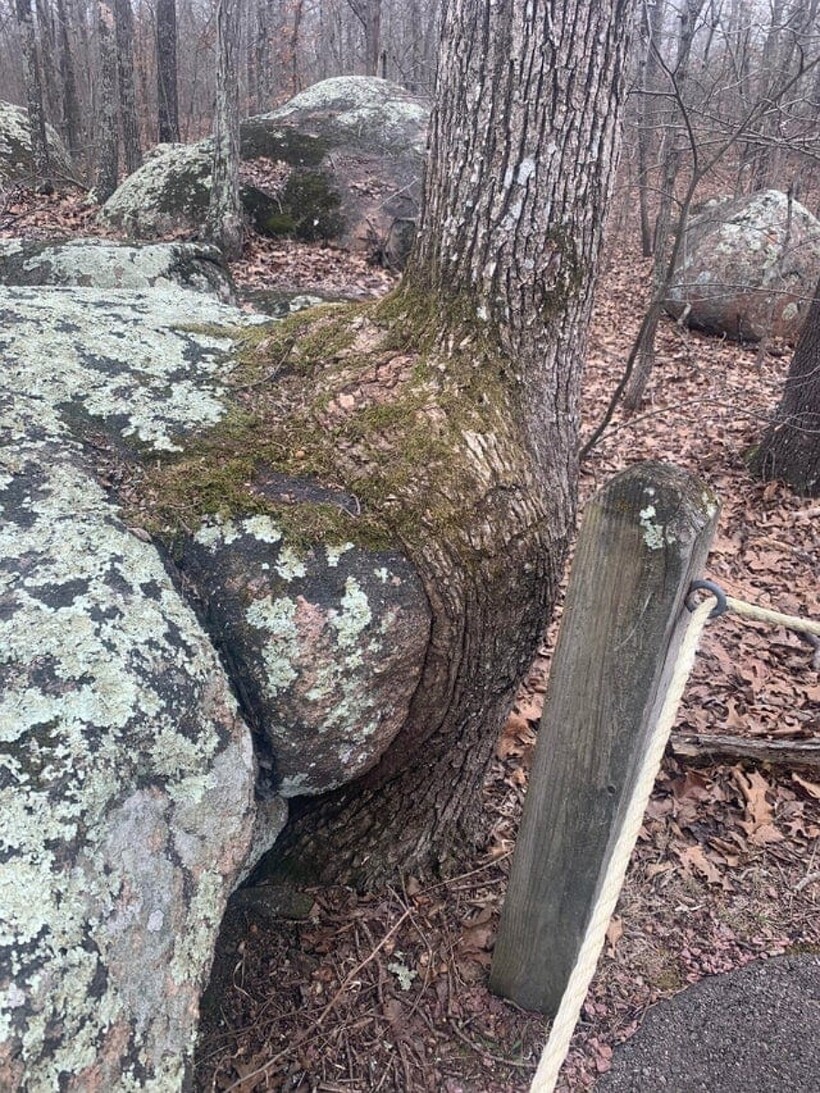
756, 1030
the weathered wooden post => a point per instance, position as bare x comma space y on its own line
644, 538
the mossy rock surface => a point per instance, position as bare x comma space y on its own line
354, 148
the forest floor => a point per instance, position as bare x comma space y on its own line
388, 991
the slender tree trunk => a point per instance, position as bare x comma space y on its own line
48, 53
295, 83
369, 14
651, 23
167, 95
124, 26
790, 448
34, 96
523, 149
264, 61
224, 226
108, 136
667, 233
71, 124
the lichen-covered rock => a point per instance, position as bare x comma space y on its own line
748, 268
131, 797
138, 364
169, 191
126, 787
96, 263
328, 643
354, 146
15, 147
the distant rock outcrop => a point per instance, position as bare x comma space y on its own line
134, 796
748, 268
352, 149
16, 163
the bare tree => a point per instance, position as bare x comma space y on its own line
369, 14
224, 226
124, 27
34, 95
107, 131
167, 95
790, 448
71, 125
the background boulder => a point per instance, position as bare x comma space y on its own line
342, 160
16, 163
748, 268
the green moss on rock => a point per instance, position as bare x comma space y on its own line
363, 400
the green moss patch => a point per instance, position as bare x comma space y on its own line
362, 399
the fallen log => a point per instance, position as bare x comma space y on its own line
784, 753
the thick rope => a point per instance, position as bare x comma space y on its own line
762, 614
563, 1026
555, 1050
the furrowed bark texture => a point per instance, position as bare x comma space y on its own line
34, 92
108, 137
225, 211
71, 124
167, 94
124, 32
522, 157
791, 447
523, 151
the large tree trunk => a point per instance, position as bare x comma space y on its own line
224, 227
790, 448
495, 304
167, 94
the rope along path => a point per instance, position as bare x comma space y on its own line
555, 1051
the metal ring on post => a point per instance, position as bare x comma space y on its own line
713, 590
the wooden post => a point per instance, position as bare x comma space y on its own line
644, 538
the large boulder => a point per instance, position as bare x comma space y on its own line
352, 148
328, 640
93, 263
16, 163
135, 798
127, 786
748, 268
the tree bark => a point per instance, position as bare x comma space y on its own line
70, 103
790, 449
34, 96
224, 226
523, 148
651, 23
369, 14
108, 135
667, 232
48, 52
167, 95
124, 27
